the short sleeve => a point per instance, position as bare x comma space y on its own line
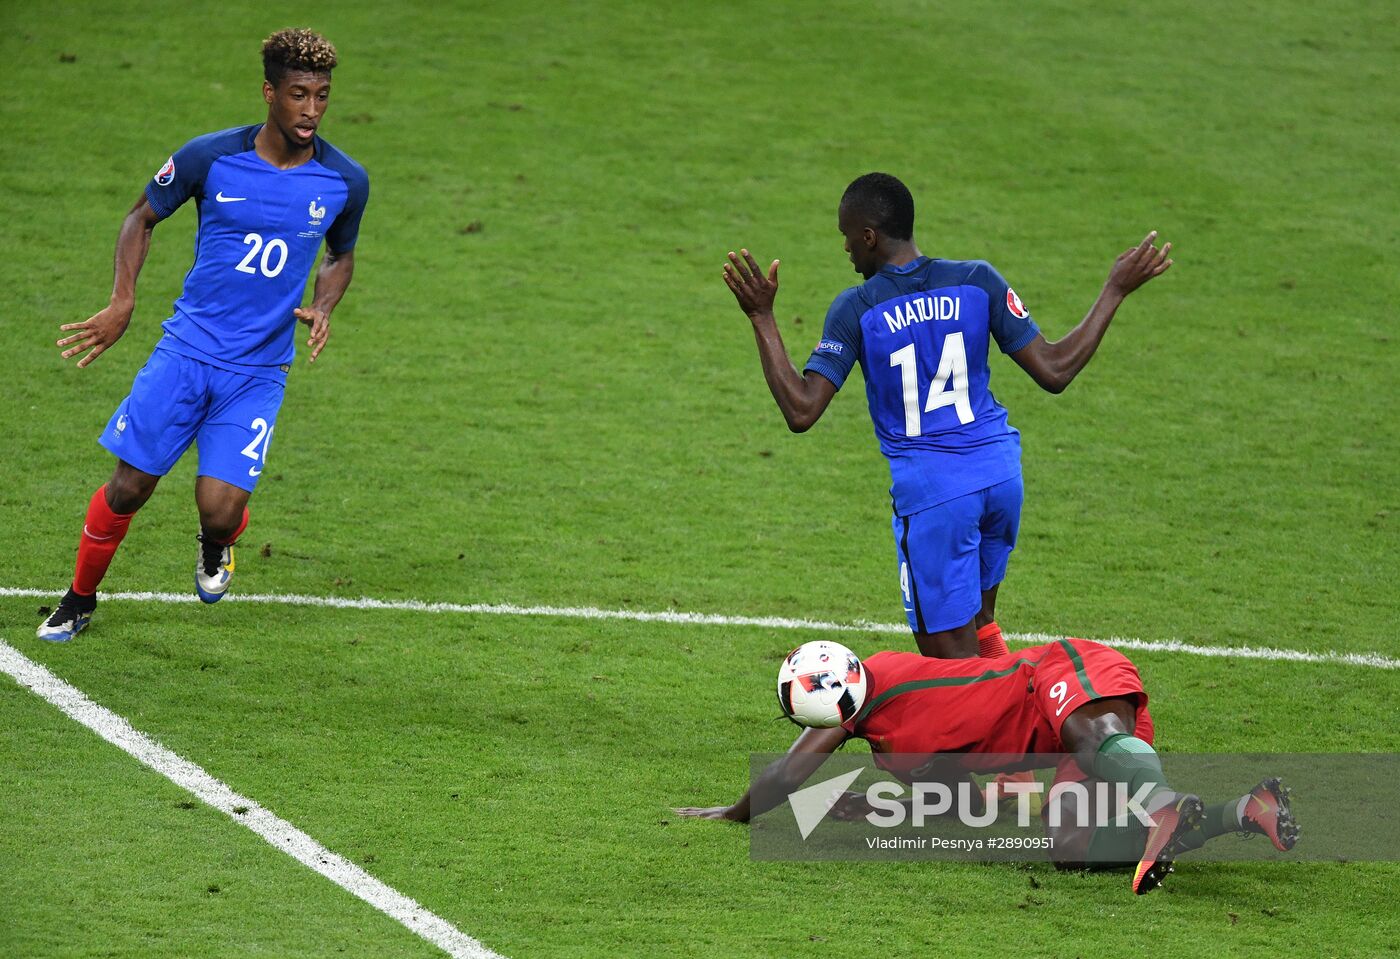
839, 346
181, 177
341, 237
1010, 321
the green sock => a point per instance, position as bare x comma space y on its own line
1216, 821
1111, 845
1127, 759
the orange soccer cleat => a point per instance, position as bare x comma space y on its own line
1172, 821
1267, 811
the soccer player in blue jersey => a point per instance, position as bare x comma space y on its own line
921, 329
266, 196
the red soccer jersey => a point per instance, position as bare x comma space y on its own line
1010, 705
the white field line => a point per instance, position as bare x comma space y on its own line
277, 832
1271, 653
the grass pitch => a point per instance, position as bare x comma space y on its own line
539, 391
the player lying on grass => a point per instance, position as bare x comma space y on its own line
1071, 697
921, 329
267, 195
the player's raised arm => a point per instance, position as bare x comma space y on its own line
780, 779
105, 327
1055, 365
801, 398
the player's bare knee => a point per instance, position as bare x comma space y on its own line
129, 488
960, 643
220, 520
988, 612
220, 506
1085, 730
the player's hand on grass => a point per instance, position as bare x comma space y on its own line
707, 812
320, 324
754, 291
95, 334
1137, 265
851, 807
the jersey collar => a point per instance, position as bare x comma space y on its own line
251, 146
907, 268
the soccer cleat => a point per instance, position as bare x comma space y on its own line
1172, 821
1268, 812
72, 616
214, 570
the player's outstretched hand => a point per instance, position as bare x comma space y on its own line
94, 334
706, 812
1137, 265
851, 807
754, 291
320, 324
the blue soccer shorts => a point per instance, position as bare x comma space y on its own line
950, 553
177, 400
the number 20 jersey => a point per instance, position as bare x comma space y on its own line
259, 230
921, 333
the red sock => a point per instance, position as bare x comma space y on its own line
990, 641
242, 525
102, 534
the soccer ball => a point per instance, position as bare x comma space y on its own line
821, 684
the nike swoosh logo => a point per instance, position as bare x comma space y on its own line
1066, 703
228, 199
91, 535
254, 471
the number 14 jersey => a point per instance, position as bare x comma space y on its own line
259, 230
921, 333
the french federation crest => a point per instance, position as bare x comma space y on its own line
318, 213
166, 174
1014, 304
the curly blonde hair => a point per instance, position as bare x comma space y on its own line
288, 51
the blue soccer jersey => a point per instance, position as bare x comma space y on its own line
921, 333
259, 232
